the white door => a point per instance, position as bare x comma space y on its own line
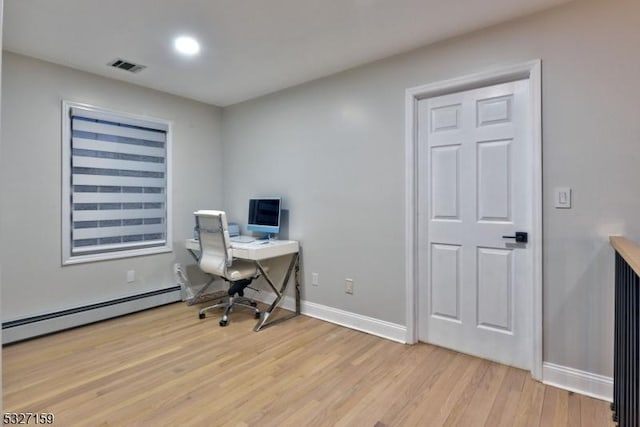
476, 186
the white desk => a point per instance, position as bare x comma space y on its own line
258, 251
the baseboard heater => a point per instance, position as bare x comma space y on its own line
21, 329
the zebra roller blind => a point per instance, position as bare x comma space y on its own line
117, 198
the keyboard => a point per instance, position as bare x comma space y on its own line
242, 239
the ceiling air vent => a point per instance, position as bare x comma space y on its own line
127, 66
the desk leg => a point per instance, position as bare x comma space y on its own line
196, 297
194, 255
262, 323
297, 284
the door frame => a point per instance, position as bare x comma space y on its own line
532, 71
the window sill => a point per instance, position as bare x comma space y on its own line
81, 259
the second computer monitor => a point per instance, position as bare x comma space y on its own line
264, 215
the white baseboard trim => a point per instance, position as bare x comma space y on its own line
593, 385
21, 329
370, 325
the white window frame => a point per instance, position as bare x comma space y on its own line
67, 256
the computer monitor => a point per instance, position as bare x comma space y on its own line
264, 215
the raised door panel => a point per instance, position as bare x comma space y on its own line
494, 284
492, 111
445, 118
494, 181
445, 191
445, 281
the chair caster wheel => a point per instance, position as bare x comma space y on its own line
257, 315
253, 304
224, 323
201, 315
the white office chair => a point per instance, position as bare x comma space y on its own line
216, 259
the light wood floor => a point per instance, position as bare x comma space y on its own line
165, 367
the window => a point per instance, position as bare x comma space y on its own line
115, 184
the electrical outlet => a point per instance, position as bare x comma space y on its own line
348, 286
131, 276
314, 279
176, 267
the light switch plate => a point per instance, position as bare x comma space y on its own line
563, 198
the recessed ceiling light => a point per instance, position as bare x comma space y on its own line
186, 45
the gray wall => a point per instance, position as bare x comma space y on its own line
33, 281
334, 149
1, 21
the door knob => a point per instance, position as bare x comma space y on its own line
521, 237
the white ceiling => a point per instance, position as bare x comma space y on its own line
249, 47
